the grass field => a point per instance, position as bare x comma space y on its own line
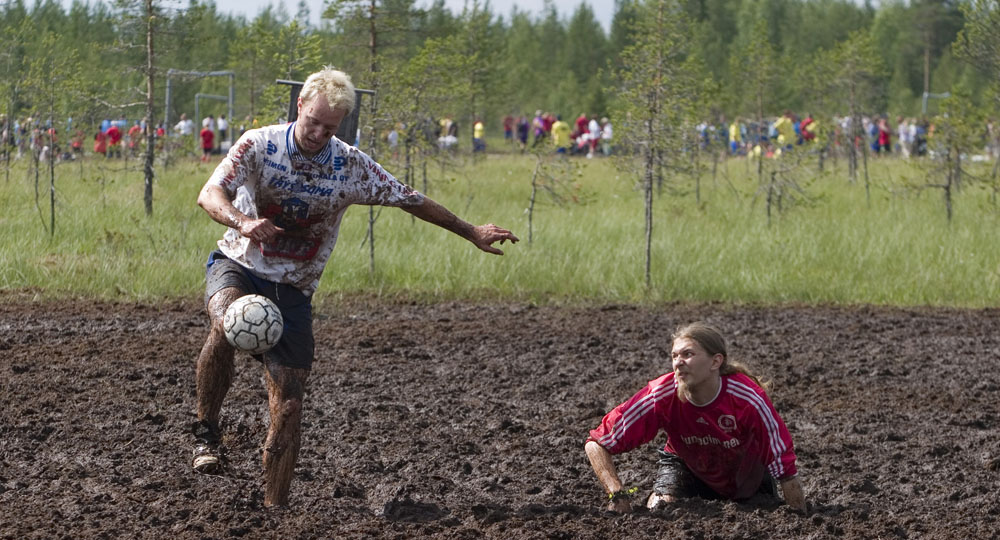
828, 245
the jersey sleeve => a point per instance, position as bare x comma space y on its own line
240, 162
635, 422
776, 447
375, 186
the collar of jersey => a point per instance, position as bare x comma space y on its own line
323, 157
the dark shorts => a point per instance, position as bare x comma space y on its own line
296, 347
674, 478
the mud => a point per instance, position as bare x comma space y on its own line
468, 421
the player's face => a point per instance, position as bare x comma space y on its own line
692, 364
316, 124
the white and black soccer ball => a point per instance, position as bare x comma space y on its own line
253, 324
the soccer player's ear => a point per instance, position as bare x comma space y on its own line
717, 361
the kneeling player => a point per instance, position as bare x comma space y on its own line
724, 438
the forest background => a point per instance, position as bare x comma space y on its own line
92, 57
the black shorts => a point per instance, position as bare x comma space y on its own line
674, 478
296, 347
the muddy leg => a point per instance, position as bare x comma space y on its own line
285, 388
215, 370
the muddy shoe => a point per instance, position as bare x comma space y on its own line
207, 456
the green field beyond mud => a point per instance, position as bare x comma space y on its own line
825, 241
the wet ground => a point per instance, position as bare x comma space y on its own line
468, 421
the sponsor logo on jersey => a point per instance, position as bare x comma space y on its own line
271, 148
727, 422
708, 440
291, 214
279, 182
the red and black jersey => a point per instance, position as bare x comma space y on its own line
728, 443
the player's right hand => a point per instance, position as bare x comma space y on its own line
260, 231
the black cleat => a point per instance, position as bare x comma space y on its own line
207, 456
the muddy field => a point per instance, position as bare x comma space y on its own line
468, 421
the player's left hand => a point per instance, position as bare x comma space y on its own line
487, 235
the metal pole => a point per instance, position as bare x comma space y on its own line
166, 108
229, 113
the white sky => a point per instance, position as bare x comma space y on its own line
603, 9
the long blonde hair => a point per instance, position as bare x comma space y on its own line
712, 341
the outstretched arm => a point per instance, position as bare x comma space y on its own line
604, 468
791, 488
483, 236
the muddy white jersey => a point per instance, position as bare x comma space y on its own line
267, 177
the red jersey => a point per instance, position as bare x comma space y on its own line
206, 139
727, 443
133, 135
114, 135
100, 142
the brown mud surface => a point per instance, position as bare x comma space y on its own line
468, 421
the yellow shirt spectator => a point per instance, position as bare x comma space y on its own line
560, 134
786, 131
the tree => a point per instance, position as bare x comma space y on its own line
957, 132
12, 61
51, 81
979, 44
435, 80
756, 66
251, 60
291, 53
853, 70
380, 16
655, 93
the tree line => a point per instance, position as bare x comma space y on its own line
513, 62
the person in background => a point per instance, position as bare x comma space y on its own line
561, 136
594, 128
114, 141
607, 136
134, 138
478, 132
522, 132
223, 125
207, 142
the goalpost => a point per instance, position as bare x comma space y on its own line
200, 74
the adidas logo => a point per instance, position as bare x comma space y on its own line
701, 420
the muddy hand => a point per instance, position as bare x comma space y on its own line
260, 230
487, 235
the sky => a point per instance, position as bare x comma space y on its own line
603, 9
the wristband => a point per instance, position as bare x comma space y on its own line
623, 493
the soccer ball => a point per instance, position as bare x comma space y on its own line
253, 324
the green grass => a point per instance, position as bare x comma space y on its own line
833, 247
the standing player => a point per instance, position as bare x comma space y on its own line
282, 191
724, 438
207, 142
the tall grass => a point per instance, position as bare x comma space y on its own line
833, 246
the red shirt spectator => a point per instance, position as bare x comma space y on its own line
100, 143
207, 142
114, 135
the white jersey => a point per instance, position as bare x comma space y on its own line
307, 197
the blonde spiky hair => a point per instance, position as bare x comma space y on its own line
333, 84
